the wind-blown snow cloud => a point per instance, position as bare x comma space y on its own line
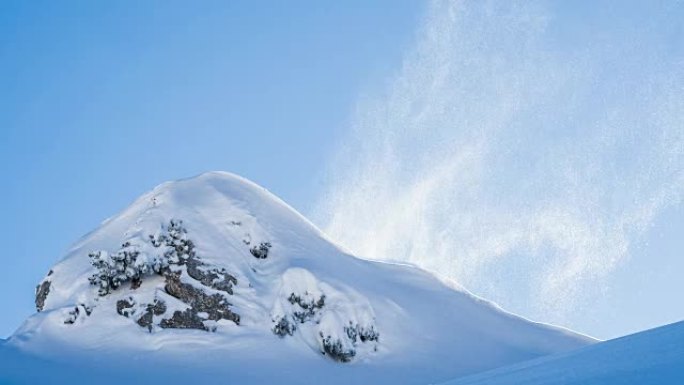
521, 147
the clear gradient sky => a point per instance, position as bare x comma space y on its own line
101, 101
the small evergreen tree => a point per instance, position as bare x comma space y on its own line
129, 265
113, 270
261, 251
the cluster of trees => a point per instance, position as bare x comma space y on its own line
335, 349
303, 312
339, 346
129, 264
284, 327
344, 351
307, 309
358, 332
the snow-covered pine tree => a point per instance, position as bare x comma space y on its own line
181, 248
128, 264
102, 263
115, 269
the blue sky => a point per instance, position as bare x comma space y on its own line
101, 101
532, 151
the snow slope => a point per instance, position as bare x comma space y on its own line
652, 357
400, 323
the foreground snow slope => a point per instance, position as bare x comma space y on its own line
216, 277
652, 357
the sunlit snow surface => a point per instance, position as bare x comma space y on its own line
429, 331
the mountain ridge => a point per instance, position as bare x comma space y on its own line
218, 266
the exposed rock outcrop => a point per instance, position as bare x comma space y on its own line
187, 319
147, 319
42, 291
170, 254
215, 305
218, 279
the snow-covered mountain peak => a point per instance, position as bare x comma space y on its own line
218, 264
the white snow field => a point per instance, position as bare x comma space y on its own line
213, 279
652, 357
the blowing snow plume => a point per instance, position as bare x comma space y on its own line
522, 147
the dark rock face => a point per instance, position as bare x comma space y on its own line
128, 308
187, 319
178, 255
218, 279
202, 307
216, 306
42, 292
146, 320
